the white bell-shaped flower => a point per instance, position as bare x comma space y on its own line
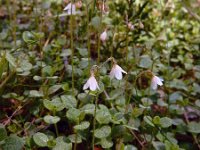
71, 9
91, 83
155, 81
116, 72
103, 36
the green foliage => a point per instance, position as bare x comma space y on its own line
40, 139
47, 55
13, 142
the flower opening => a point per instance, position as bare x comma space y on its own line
155, 81
103, 36
91, 83
116, 72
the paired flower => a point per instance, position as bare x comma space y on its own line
91, 83
103, 36
71, 8
116, 72
155, 81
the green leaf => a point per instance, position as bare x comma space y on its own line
171, 146
3, 64
51, 119
137, 111
175, 96
103, 116
197, 103
156, 120
102, 132
3, 133
83, 52
11, 59
25, 65
37, 78
130, 147
96, 21
158, 145
165, 122
83, 63
54, 105
62, 145
40, 139
106, 143
88, 109
82, 126
75, 138
13, 143
145, 62
194, 127
53, 89
69, 101
28, 37
73, 114
149, 120
34, 93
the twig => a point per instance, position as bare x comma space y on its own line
194, 137
141, 143
7, 79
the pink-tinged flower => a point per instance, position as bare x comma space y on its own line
103, 36
130, 26
78, 4
141, 25
71, 9
116, 72
155, 81
91, 83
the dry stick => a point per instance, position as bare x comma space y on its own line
141, 143
88, 37
72, 60
94, 122
194, 137
72, 46
99, 40
7, 79
197, 17
18, 109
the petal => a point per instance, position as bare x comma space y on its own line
93, 84
154, 85
158, 80
103, 36
118, 74
71, 9
120, 68
68, 6
112, 73
86, 85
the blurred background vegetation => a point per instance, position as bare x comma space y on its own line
45, 59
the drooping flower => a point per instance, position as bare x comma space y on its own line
91, 83
71, 9
116, 72
78, 4
141, 25
155, 81
103, 36
130, 26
